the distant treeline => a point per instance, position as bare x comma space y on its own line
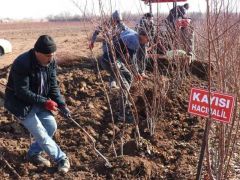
127, 16
88, 17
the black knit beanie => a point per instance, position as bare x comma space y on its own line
45, 44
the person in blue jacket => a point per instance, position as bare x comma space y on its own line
110, 31
126, 50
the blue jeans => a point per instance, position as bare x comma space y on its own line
42, 126
106, 64
125, 74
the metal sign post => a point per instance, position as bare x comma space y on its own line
203, 148
150, 6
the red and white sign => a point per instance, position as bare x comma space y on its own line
221, 105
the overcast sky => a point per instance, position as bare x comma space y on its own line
18, 9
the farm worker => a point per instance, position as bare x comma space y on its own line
146, 24
32, 94
110, 31
126, 52
176, 13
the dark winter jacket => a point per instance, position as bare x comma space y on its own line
24, 88
146, 25
176, 13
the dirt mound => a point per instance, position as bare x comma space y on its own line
200, 69
170, 154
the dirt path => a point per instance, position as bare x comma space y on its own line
71, 38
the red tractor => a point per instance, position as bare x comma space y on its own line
177, 36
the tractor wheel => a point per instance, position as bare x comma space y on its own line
1, 51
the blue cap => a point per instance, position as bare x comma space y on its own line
116, 16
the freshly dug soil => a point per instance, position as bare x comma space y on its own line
171, 153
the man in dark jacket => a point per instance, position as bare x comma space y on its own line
146, 24
32, 94
176, 13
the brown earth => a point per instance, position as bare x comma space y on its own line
71, 38
172, 153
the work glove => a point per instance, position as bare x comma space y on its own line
50, 105
91, 45
65, 111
